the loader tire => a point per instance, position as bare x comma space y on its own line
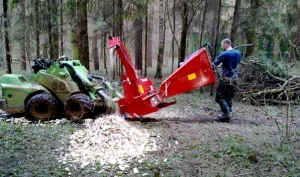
78, 107
41, 107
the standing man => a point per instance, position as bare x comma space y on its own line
230, 58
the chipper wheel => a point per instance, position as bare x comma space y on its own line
78, 106
41, 107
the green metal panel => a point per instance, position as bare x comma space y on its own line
59, 80
15, 89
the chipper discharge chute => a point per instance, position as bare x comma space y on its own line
141, 97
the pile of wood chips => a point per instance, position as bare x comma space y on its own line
107, 140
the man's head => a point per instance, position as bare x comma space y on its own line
226, 44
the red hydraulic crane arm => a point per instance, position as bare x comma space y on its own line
124, 56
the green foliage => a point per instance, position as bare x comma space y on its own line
233, 147
276, 68
13, 3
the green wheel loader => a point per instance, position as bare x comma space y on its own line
57, 89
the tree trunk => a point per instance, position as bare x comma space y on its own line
45, 46
113, 21
202, 30
191, 44
23, 55
215, 27
6, 37
118, 27
235, 21
102, 48
1, 39
137, 26
61, 29
276, 47
120, 31
294, 23
37, 26
28, 45
22, 38
160, 57
49, 26
28, 37
72, 16
104, 52
276, 33
203, 22
184, 28
294, 48
74, 43
54, 47
146, 42
173, 36
294, 35
215, 33
251, 27
83, 38
95, 49
104, 37
149, 37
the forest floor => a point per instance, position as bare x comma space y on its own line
189, 141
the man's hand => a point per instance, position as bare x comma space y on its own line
213, 67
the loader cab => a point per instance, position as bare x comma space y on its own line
40, 63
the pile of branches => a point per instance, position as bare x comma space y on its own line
259, 85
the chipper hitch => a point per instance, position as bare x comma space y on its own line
141, 97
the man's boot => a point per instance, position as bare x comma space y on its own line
225, 117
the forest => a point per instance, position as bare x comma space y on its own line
184, 139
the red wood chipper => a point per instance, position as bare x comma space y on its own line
141, 97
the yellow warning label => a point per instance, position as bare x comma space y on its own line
192, 76
141, 89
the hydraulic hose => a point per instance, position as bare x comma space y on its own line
103, 79
81, 83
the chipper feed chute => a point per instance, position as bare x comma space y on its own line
141, 97
195, 72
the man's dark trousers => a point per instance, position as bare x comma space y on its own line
224, 96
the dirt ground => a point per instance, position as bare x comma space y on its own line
194, 144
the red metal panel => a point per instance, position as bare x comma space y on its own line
138, 106
124, 56
145, 87
140, 96
195, 72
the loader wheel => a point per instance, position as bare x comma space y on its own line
41, 107
78, 107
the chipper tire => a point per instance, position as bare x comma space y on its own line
78, 107
42, 107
